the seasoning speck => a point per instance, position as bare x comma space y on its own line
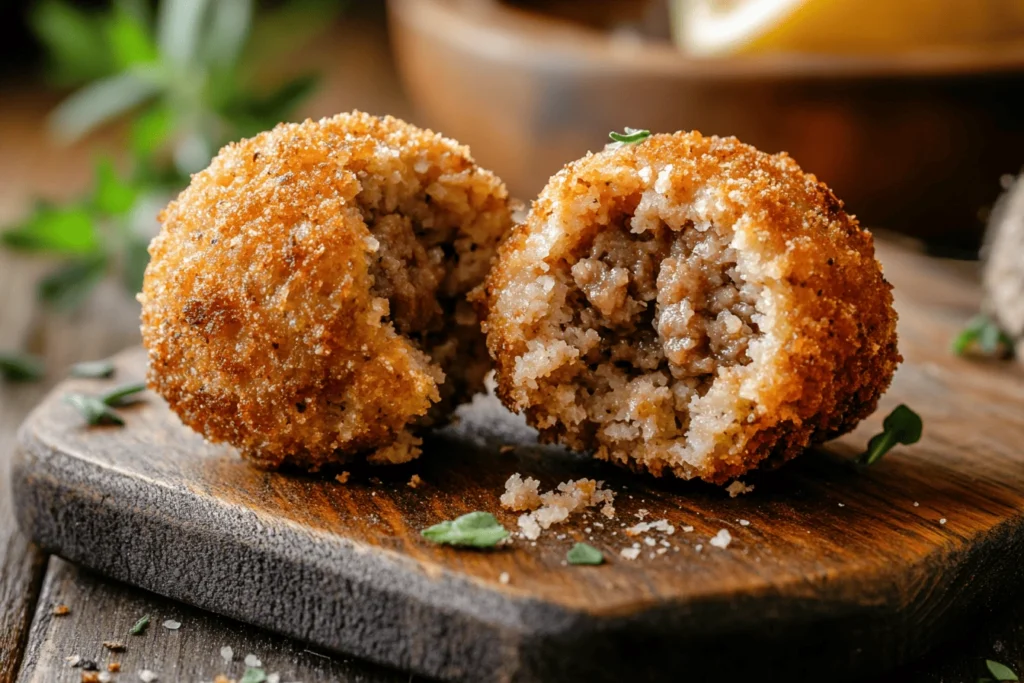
61, 610
172, 625
226, 653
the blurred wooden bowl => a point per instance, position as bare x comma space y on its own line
914, 142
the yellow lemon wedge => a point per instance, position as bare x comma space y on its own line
728, 27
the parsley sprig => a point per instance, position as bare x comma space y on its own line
1000, 672
583, 553
474, 530
982, 336
21, 367
97, 410
631, 136
901, 426
187, 77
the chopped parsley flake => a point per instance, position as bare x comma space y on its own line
474, 530
583, 553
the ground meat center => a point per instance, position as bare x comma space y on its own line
670, 308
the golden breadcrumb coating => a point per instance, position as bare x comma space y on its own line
305, 300
689, 305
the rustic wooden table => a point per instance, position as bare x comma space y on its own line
34, 643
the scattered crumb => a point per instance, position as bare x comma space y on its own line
114, 667
630, 553
687, 529
744, 522
61, 610
507, 448
114, 646
738, 488
104, 677
226, 653
414, 481
147, 676
587, 530
665, 543
842, 505
221, 678
521, 494
90, 677
343, 477
172, 625
641, 513
599, 525
650, 541
916, 504
73, 660
504, 578
252, 661
555, 506
661, 525
274, 678
662, 551
942, 521
608, 511
699, 547
722, 539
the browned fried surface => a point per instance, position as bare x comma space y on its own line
306, 296
692, 305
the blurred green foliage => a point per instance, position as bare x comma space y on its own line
187, 78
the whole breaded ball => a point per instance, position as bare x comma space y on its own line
689, 305
306, 297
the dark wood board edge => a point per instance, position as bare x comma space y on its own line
451, 628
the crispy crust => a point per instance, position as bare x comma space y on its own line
258, 308
828, 326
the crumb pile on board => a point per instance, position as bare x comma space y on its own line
553, 507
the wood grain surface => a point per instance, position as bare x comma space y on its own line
190, 653
838, 568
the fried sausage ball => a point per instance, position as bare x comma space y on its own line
689, 305
306, 297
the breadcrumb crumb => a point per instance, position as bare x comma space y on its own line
521, 494
738, 488
630, 553
414, 481
722, 539
343, 477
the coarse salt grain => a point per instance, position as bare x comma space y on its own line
916, 504
942, 521
147, 676
687, 529
274, 678
722, 539
650, 541
630, 553
73, 660
226, 653
744, 522
504, 577
252, 661
172, 625
699, 547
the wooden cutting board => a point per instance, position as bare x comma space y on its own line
832, 572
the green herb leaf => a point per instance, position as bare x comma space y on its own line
901, 426
179, 28
1000, 672
112, 196
631, 136
93, 369
102, 101
73, 40
228, 29
21, 367
582, 553
68, 286
151, 129
983, 336
67, 230
120, 395
255, 114
140, 626
95, 411
129, 37
476, 530
253, 675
